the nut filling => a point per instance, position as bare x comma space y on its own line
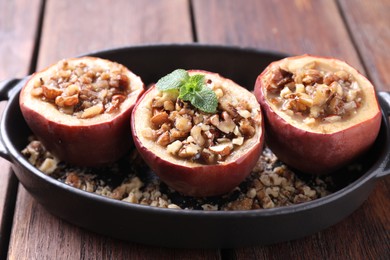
271, 184
84, 91
192, 134
314, 94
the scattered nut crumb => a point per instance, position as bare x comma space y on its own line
271, 184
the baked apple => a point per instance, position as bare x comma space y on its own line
200, 133
80, 109
320, 112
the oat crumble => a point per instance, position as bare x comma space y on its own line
271, 183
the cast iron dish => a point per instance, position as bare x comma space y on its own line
188, 228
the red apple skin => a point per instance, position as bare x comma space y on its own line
92, 144
315, 153
200, 180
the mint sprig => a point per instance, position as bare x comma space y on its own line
173, 80
191, 88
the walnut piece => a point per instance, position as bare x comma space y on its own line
191, 134
83, 90
315, 93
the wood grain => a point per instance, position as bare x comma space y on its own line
70, 29
39, 235
363, 235
9, 185
73, 29
314, 27
18, 25
369, 22
293, 27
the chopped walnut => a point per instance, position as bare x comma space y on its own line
314, 93
191, 134
82, 90
271, 184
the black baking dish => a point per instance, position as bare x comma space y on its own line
188, 228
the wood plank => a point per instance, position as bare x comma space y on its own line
294, 27
363, 235
18, 25
369, 23
73, 29
40, 235
69, 30
9, 185
314, 27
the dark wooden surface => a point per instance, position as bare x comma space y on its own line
34, 34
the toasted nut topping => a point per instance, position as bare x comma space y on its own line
238, 141
183, 124
37, 92
271, 183
51, 92
68, 101
168, 105
84, 91
174, 147
191, 134
92, 111
222, 149
72, 89
163, 139
196, 133
247, 129
189, 150
244, 113
159, 119
311, 92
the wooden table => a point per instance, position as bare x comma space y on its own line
36, 33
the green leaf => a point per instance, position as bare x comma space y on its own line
205, 100
173, 80
191, 88
197, 82
193, 84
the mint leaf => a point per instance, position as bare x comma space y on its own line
205, 100
193, 84
173, 80
197, 82
191, 88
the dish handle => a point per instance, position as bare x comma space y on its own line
7, 89
384, 100
3, 152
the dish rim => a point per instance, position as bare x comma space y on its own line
17, 158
